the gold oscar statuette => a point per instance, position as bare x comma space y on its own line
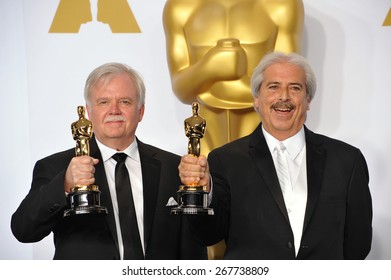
83, 199
192, 198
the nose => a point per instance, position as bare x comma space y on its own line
114, 108
284, 94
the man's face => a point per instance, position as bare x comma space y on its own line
114, 112
282, 101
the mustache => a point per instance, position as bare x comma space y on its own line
114, 118
283, 105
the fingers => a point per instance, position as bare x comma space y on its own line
194, 170
80, 172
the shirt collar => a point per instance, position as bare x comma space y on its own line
107, 152
293, 144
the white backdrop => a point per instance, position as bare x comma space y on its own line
42, 77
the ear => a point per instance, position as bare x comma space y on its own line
141, 113
88, 110
256, 103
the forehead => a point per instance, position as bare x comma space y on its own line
284, 72
116, 84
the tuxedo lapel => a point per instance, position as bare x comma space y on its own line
101, 182
260, 153
151, 176
316, 157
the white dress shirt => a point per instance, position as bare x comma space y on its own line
295, 197
134, 167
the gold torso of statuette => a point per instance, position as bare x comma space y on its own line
195, 129
82, 133
204, 31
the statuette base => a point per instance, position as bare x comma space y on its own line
85, 202
192, 201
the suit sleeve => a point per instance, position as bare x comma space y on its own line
212, 229
358, 227
191, 248
43, 207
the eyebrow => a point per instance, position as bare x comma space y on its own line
290, 84
296, 84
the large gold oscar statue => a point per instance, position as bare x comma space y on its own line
212, 48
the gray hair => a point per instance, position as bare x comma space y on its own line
278, 57
110, 70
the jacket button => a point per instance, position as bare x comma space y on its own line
289, 245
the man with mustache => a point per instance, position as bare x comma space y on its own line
115, 102
317, 207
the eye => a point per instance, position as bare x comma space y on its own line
273, 87
125, 102
103, 102
295, 88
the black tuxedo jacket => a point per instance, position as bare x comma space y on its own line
250, 212
90, 236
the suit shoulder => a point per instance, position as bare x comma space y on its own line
157, 152
332, 144
59, 156
238, 144
55, 162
